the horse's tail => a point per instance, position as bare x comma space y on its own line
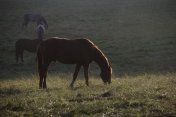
16, 47
39, 58
18, 50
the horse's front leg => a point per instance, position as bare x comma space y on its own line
86, 74
78, 66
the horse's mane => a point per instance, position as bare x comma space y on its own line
58, 38
100, 54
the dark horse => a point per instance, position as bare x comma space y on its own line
71, 51
26, 44
34, 18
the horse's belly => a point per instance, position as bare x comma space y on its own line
68, 60
72, 55
72, 60
30, 49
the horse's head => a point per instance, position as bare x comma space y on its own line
106, 75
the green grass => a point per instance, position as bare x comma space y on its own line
137, 36
146, 95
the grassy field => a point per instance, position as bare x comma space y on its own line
137, 36
147, 95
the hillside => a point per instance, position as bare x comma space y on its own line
136, 36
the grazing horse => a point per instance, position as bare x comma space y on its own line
71, 51
34, 18
26, 44
40, 31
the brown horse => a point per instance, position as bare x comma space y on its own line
26, 44
71, 51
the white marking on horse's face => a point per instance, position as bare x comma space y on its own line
40, 26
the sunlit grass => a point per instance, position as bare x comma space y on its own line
145, 95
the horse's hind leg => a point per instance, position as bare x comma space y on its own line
44, 79
17, 51
41, 78
86, 74
45, 74
41, 74
25, 23
41, 81
78, 66
21, 55
17, 55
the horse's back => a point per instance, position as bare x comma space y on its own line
27, 41
70, 44
28, 44
68, 50
33, 17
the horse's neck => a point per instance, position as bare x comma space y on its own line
40, 35
101, 60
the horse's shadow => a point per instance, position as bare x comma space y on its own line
76, 88
10, 91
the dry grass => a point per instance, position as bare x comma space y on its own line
146, 95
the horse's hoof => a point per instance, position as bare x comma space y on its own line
71, 86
